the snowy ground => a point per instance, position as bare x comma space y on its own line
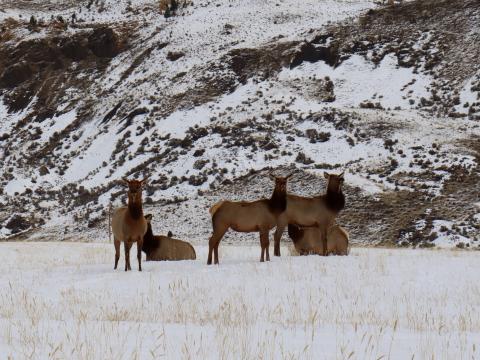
63, 300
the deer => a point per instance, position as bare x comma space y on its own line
129, 225
309, 240
256, 216
158, 248
317, 211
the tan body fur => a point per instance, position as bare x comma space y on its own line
305, 212
309, 241
160, 248
256, 216
171, 249
129, 225
126, 229
249, 216
317, 211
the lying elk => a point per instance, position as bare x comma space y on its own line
164, 247
318, 211
129, 224
256, 216
309, 240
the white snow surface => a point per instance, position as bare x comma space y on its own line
357, 80
64, 300
446, 238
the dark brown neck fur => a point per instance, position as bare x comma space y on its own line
278, 201
335, 200
135, 206
150, 243
295, 233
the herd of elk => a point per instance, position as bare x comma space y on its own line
310, 221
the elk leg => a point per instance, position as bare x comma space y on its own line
127, 255
117, 252
215, 253
139, 253
264, 245
127, 245
276, 239
324, 241
210, 252
213, 244
215, 249
129, 248
267, 245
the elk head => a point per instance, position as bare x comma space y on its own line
280, 182
135, 189
334, 182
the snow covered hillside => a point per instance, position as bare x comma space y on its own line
209, 100
66, 301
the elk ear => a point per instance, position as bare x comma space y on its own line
125, 181
289, 176
342, 174
148, 217
273, 177
145, 180
326, 175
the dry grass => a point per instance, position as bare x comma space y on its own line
66, 301
8, 27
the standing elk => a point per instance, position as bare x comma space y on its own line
129, 224
242, 216
318, 211
309, 240
160, 248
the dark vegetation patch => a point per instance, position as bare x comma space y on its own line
262, 62
311, 52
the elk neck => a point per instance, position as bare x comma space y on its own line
335, 199
149, 243
295, 232
278, 201
135, 205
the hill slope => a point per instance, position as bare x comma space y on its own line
210, 99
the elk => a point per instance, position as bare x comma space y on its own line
318, 211
309, 240
160, 248
129, 224
242, 216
